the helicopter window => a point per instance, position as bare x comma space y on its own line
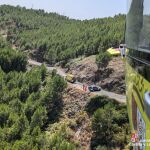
137, 25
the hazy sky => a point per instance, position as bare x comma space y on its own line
78, 9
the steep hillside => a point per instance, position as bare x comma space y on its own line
30, 100
83, 125
55, 38
110, 78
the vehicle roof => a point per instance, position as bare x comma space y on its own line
70, 75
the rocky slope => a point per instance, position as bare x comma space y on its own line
112, 78
115, 81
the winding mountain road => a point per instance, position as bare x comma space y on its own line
78, 85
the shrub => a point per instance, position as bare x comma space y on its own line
12, 60
102, 59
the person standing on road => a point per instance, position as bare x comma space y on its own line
84, 87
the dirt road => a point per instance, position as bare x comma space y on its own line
78, 85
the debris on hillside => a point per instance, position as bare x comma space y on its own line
76, 118
112, 78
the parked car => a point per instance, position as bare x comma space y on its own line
94, 88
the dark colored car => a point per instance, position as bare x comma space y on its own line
94, 88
